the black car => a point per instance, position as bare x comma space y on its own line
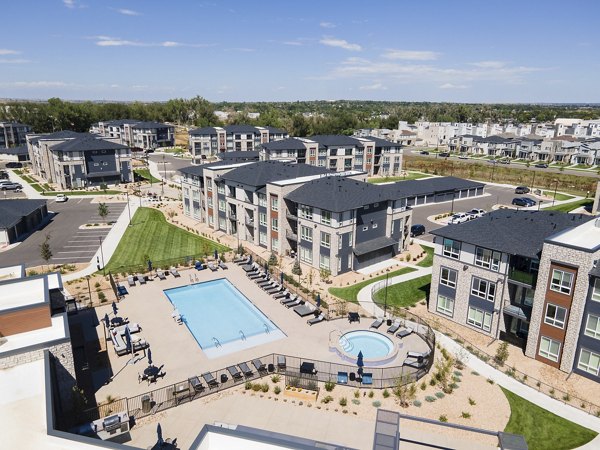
530, 201
444, 155
522, 190
520, 201
3, 175
541, 166
14, 165
417, 230
424, 152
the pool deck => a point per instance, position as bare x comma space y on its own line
174, 346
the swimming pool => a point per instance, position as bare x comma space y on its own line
221, 318
376, 348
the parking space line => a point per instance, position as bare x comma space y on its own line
79, 251
78, 246
73, 258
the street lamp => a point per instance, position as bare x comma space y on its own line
555, 188
164, 176
128, 209
102, 254
386, 292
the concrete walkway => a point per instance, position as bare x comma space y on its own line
30, 192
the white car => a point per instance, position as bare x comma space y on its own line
459, 218
60, 198
475, 213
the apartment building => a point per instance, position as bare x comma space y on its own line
145, 136
338, 153
210, 141
528, 277
76, 160
330, 220
12, 134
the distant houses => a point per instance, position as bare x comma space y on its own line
12, 134
136, 134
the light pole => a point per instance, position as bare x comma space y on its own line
385, 298
164, 176
452, 208
555, 188
540, 204
128, 209
102, 255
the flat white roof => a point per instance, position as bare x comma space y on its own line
585, 236
347, 173
217, 441
57, 330
27, 291
12, 272
54, 280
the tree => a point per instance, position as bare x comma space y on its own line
297, 270
325, 274
501, 353
104, 186
404, 391
272, 259
102, 211
45, 250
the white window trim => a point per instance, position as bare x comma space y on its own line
554, 321
486, 319
596, 290
450, 252
308, 236
592, 332
489, 263
274, 224
325, 243
560, 287
444, 309
586, 366
547, 354
448, 282
486, 294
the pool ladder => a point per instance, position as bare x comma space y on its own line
266, 328
216, 341
242, 335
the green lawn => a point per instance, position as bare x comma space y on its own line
146, 175
542, 429
75, 193
405, 294
349, 293
409, 176
559, 195
568, 207
150, 236
428, 261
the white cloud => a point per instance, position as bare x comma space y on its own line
340, 43
411, 55
295, 43
373, 87
242, 49
5, 51
34, 84
453, 86
14, 61
107, 41
73, 4
489, 64
327, 25
128, 12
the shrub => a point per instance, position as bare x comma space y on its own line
423, 386
371, 394
248, 385
566, 397
432, 382
457, 373
489, 380
417, 403
376, 403
453, 386
343, 401
430, 399
439, 395
386, 393
275, 378
294, 382
312, 385
276, 390
327, 399
356, 401
357, 394
329, 385
456, 379
264, 387
256, 387
472, 402
97, 284
101, 297
474, 372
501, 353
443, 418
465, 415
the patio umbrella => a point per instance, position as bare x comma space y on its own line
106, 320
128, 338
250, 260
281, 278
216, 254
114, 307
149, 266
359, 361
318, 300
159, 435
149, 356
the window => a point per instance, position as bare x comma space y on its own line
592, 327
480, 319
350, 238
306, 254
325, 217
555, 315
262, 200
262, 219
209, 185
448, 277
275, 224
324, 262
487, 258
274, 243
211, 220
222, 224
445, 305
483, 289
596, 290
589, 361
451, 248
340, 241
312, 151
305, 212
274, 203
262, 238
549, 348
306, 233
220, 188
222, 205
325, 239
561, 281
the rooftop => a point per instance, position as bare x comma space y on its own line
150, 125
263, 172
20, 150
335, 139
513, 232
22, 292
285, 144
12, 211
239, 155
87, 142
585, 237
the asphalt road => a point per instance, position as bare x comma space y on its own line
68, 243
455, 159
171, 164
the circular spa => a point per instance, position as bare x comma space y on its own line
376, 348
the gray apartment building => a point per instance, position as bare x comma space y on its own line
329, 220
136, 134
12, 134
527, 277
211, 141
77, 160
370, 154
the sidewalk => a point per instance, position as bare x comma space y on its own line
30, 192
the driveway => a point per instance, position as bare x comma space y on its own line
68, 243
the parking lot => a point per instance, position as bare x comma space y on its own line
70, 240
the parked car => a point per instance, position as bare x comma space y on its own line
541, 166
475, 213
505, 161
424, 152
417, 230
459, 218
14, 165
519, 201
4, 186
521, 190
3, 175
492, 161
444, 155
60, 198
530, 201
463, 157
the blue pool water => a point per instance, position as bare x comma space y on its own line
371, 344
215, 311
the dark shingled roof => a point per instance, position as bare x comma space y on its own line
203, 131
382, 142
20, 150
238, 156
374, 244
285, 144
11, 211
199, 169
263, 172
149, 125
335, 139
86, 142
427, 186
57, 135
242, 128
513, 232
273, 130
337, 194
120, 122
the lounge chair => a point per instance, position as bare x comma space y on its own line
234, 372
133, 328
281, 294
394, 328
342, 378
258, 276
281, 365
287, 301
196, 384
174, 272
367, 378
266, 282
131, 280
122, 290
319, 318
212, 267
161, 275
249, 267
259, 365
222, 265
376, 324
418, 355
403, 332
241, 260
353, 317
298, 302
414, 363
139, 344
275, 289
210, 380
198, 265
141, 278
308, 367
245, 369
304, 310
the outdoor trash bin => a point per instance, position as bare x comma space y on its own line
389, 322
146, 405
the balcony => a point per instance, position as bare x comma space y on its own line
233, 216
523, 277
291, 235
249, 221
291, 215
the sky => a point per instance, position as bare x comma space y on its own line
458, 51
